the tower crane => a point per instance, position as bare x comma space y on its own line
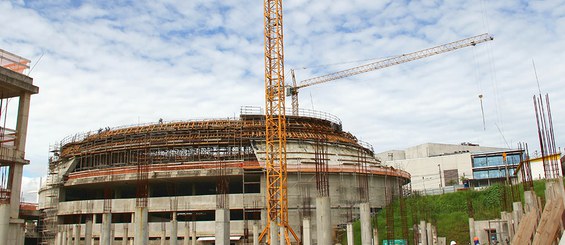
396, 60
275, 127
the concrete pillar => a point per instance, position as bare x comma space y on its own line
174, 230
375, 236
186, 233
366, 228
16, 170
106, 234
323, 220
69, 235
429, 233
423, 233
282, 240
163, 239
193, 233
255, 233
531, 201
434, 235
77, 235
517, 213
350, 238
471, 230
58, 240
125, 235
64, 236
306, 233
88, 232
274, 229
4, 221
141, 236
222, 226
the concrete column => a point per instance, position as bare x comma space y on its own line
517, 213
306, 233
376, 236
471, 230
255, 233
186, 233
141, 236
174, 230
163, 239
349, 229
58, 240
70, 235
106, 234
125, 235
531, 201
77, 234
88, 232
274, 229
222, 226
434, 235
16, 170
64, 236
282, 241
4, 221
323, 220
366, 229
15, 186
193, 233
423, 233
429, 233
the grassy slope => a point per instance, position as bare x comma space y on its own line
449, 211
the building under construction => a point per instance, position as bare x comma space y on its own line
204, 180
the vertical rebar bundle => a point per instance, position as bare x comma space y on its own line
142, 191
546, 136
389, 197
403, 212
321, 161
362, 172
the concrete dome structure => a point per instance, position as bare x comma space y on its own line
98, 173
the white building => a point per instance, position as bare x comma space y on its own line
435, 166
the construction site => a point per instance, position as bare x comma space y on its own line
274, 174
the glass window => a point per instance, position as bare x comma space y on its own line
494, 173
513, 159
494, 161
480, 174
479, 162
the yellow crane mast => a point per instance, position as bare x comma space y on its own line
275, 121
396, 60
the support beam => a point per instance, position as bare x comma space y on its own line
255, 233
88, 232
222, 226
4, 221
323, 220
141, 236
429, 233
375, 236
366, 228
350, 239
423, 233
77, 234
193, 233
125, 235
306, 233
186, 234
472, 233
174, 230
106, 235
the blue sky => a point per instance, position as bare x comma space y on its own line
113, 63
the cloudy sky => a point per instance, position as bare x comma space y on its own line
112, 63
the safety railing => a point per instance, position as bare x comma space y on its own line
256, 110
13, 62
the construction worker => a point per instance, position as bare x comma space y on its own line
453, 243
476, 240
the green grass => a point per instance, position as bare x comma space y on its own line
449, 212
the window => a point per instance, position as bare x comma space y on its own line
494, 161
480, 174
479, 162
